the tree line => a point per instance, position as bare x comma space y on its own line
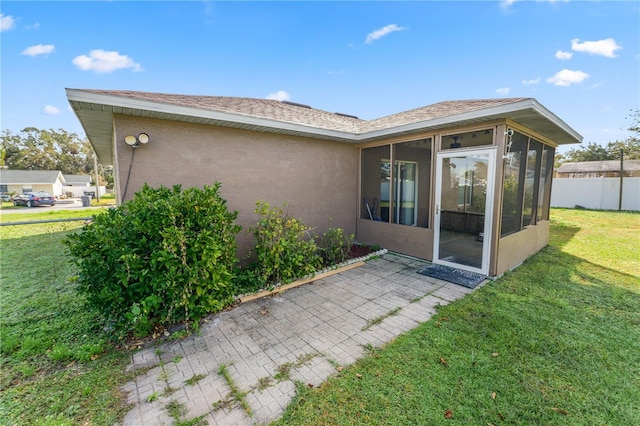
37, 149
630, 147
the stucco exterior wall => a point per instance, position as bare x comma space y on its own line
316, 178
516, 248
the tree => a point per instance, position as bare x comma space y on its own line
591, 152
35, 149
594, 152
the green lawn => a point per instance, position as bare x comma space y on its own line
42, 214
56, 368
557, 341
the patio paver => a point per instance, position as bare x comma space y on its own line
266, 345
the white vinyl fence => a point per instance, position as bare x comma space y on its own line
596, 193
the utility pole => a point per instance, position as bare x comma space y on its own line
621, 178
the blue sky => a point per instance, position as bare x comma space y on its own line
580, 59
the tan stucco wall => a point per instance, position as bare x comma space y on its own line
316, 178
516, 248
410, 240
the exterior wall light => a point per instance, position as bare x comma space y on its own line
455, 143
135, 142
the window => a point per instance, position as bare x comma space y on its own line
4, 188
514, 168
376, 178
527, 183
468, 139
399, 193
531, 183
544, 193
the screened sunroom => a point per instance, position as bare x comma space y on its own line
455, 197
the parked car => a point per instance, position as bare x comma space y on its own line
33, 199
5, 197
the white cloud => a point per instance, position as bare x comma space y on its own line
7, 22
39, 49
563, 56
531, 82
567, 77
336, 72
280, 95
506, 4
51, 110
606, 47
101, 61
503, 91
379, 33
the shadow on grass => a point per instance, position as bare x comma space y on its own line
555, 341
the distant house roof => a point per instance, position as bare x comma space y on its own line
95, 110
71, 179
599, 166
16, 177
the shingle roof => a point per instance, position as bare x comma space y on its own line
96, 108
77, 178
438, 110
599, 166
262, 108
29, 176
302, 114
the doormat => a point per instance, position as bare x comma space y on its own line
456, 276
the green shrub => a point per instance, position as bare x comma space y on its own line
284, 249
249, 279
334, 246
166, 256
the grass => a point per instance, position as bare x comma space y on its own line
56, 367
105, 200
44, 214
557, 341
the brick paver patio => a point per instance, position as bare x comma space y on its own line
304, 334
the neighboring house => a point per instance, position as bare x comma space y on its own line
77, 180
21, 181
79, 185
598, 185
460, 183
597, 169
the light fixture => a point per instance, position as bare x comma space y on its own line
455, 143
135, 142
130, 140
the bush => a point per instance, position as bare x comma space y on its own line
334, 246
284, 249
168, 255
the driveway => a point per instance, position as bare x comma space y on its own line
263, 347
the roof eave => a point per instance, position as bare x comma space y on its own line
529, 107
96, 110
88, 103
